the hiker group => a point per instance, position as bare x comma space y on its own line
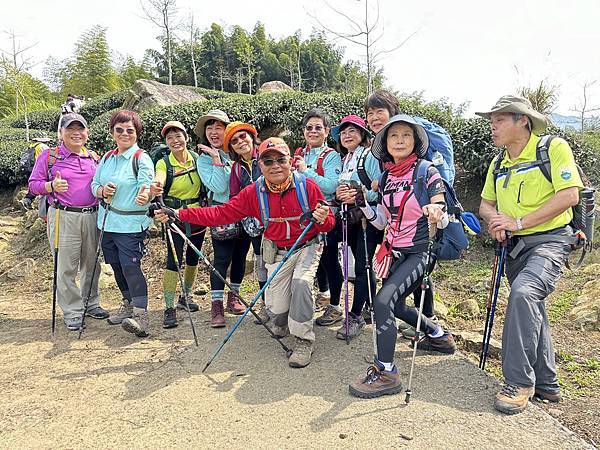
384, 193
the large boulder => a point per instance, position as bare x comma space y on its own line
586, 312
146, 94
274, 86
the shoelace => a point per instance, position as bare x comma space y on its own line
509, 390
373, 374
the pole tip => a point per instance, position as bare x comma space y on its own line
407, 398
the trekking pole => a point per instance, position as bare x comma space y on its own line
255, 299
368, 270
214, 270
424, 287
345, 263
487, 338
98, 250
55, 274
488, 305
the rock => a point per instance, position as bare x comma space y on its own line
440, 309
36, 230
473, 342
274, 86
18, 195
146, 94
29, 218
154, 230
343, 435
586, 312
106, 279
555, 412
21, 270
469, 307
201, 289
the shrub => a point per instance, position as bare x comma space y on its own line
45, 119
14, 134
101, 104
10, 155
99, 139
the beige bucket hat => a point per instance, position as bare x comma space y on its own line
520, 105
213, 114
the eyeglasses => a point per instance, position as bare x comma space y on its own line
281, 161
349, 131
239, 137
317, 128
129, 131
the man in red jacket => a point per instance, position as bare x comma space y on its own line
289, 296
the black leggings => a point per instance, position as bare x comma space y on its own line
232, 251
390, 302
191, 257
132, 284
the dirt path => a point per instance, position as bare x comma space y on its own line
110, 389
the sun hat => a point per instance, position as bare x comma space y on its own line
351, 119
233, 128
173, 124
379, 148
520, 105
213, 114
273, 143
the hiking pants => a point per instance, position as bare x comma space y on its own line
230, 252
527, 351
289, 295
390, 302
77, 243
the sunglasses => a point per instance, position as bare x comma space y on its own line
309, 128
239, 137
281, 161
129, 131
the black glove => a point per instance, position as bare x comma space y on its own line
360, 199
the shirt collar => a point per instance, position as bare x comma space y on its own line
65, 152
127, 154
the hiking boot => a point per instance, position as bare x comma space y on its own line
302, 353
125, 311
552, 397
513, 399
73, 324
97, 313
234, 306
442, 344
262, 314
376, 383
190, 304
355, 326
322, 301
138, 323
408, 331
331, 315
217, 315
280, 332
170, 318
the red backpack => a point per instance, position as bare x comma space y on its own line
326, 151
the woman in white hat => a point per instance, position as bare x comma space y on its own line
400, 262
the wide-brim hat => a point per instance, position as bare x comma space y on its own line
352, 119
379, 147
173, 124
233, 128
69, 118
519, 105
213, 114
273, 144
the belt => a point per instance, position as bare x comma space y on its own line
78, 209
529, 240
121, 211
177, 203
314, 240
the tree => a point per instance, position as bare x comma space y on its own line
131, 71
162, 14
543, 97
584, 108
367, 34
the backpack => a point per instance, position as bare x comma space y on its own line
27, 160
135, 160
440, 152
171, 175
158, 151
583, 212
322, 155
453, 240
263, 200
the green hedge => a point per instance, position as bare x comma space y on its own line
99, 105
13, 134
10, 155
100, 140
45, 119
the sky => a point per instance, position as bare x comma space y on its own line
465, 51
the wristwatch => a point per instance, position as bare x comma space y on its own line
519, 221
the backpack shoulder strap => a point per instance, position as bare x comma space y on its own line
301, 192
51, 159
135, 161
497, 170
322, 155
542, 155
170, 174
362, 172
420, 181
263, 200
